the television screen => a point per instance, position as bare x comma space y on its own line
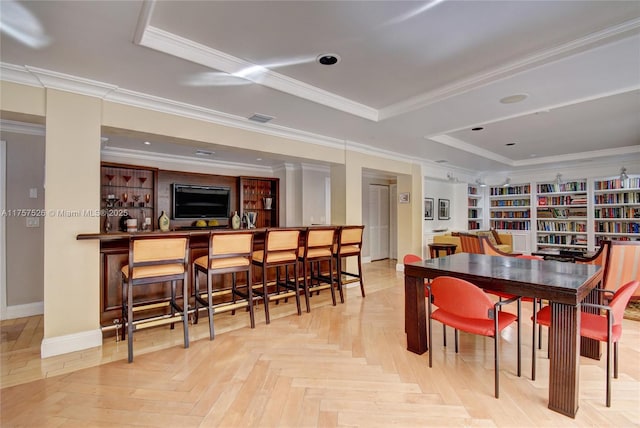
192, 201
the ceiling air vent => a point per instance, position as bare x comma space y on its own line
261, 118
200, 152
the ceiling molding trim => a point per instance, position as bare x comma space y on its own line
143, 19
122, 155
165, 105
18, 74
538, 59
315, 167
462, 145
374, 151
65, 82
595, 154
22, 127
180, 47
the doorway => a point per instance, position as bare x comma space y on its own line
379, 221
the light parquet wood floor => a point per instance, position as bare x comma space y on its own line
342, 366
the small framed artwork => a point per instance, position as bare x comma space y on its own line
404, 198
443, 209
428, 208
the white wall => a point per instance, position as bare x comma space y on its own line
313, 195
456, 194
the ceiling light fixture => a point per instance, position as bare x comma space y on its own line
481, 183
200, 152
507, 182
512, 99
147, 143
328, 59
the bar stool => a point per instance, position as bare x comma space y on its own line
229, 252
155, 259
280, 250
318, 245
349, 245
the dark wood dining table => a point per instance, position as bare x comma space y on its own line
564, 285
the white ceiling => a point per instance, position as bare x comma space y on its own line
413, 79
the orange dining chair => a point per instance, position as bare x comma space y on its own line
470, 243
489, 249
464, 306
604, 328
622, 265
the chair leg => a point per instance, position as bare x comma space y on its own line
615, 360
306, 284
339, 273
124, 310
444, 335
455, 338
210, 306
496, 360
533, 342
265, 295
297, 288
185, 309
609, 371
333, 292
519, 335
250, 298
130, 322
360, 274
429, 332
196, 294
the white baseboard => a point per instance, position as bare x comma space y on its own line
52, 346
21, 311
366, 259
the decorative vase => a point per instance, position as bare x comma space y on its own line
235, 220
267, 203
163, 222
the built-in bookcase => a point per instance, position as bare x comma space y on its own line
474, 206
616, 209
561, 212
510, 207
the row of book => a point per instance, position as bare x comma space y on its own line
618, 198
626, 212
617, 227
510, 214
510, 203
561, 226
511, 225
572, 186
511, 190
563, 200
616, 183
563, 239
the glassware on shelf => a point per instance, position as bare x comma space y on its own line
110, 177
126, 178
136, 198
142, 180
147, 198
125, 198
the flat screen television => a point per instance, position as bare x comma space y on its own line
193, 201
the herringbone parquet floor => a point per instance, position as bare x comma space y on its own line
341, 366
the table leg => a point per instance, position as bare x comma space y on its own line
564, 366
415, 314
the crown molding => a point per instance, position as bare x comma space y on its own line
462, 145
180, 47
65, 82
538, 59
595, 154
18, 74
123, 155
22, 127
374, 151
315, 167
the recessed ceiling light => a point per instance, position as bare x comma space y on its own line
258, 159
146, 143
328, 59
510, 144
477, 128
511, 99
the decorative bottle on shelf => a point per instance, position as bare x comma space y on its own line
163, 222
235, 220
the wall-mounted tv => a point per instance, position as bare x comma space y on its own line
193, 201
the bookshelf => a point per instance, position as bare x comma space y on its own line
616, 209
561, 215
510, 207
474, 207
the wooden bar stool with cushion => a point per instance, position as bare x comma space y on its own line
349, 245
318, 245
280, 251
230, 252
155, 259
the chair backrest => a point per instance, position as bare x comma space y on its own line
622, 264
351, 235
470, 243
157, 250
411, 258
319, 239
620, 300
599, 258
488, 248
281, 239
461, 298
225, 244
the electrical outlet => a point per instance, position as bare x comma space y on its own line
33, 221
33, 193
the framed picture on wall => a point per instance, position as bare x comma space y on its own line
443, 209
428, 208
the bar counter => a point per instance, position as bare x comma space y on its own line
114, 252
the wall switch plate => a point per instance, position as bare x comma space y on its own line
33, 221
33, 193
